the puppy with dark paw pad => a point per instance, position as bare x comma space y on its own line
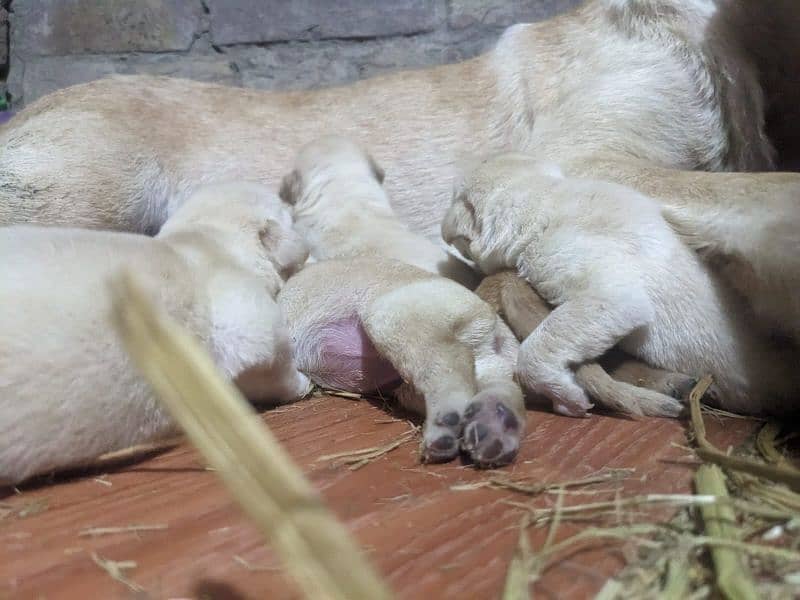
390, 306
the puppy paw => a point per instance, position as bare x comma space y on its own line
303, 386
440, 439
492, 431
559, 386
572, 405
568, 398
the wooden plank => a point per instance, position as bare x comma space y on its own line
426, 539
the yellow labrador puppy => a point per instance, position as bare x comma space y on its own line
376, 310
603, 255
68, 393
745, 226
347, 213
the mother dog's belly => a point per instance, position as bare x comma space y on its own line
339, 355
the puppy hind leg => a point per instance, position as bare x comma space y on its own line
277, 380
413, 327
626, 398
515, 300
494, 421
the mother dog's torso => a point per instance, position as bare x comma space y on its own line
627, 78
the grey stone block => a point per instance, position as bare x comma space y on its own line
304, 65
3, 37
258, 21
60, 27
295, 66
42, 75
415, 53
502, 13
337, 42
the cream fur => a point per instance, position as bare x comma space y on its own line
68, 392
617, 381
670, 84
647, 89
616, 272
449, 346
633, 79
746, 226
341, 210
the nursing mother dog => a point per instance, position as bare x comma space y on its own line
623, 90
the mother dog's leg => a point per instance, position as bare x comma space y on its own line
617, 381
460, 358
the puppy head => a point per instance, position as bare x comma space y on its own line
460, 226
249, 221
329, 157
482, 219
463, 225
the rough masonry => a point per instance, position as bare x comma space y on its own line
269, 44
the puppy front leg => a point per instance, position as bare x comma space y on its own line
581, 329
618, 382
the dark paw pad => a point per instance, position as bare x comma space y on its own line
440, 449
491, 432
451, 419
440, 440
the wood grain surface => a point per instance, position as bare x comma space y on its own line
428, 540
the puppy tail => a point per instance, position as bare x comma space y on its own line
623, 397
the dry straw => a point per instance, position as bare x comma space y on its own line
733, 576
781, 472
317, 550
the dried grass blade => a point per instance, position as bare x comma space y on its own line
98, 531
518, 578
708, 452
765, 443
733, 577
116, 570
317, 550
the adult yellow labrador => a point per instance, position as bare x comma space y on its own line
667, 96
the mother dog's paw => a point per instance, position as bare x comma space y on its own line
492, 431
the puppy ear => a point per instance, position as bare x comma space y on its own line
377, 170
286, 249
290, 187
459, 222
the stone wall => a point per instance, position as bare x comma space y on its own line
256, 43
